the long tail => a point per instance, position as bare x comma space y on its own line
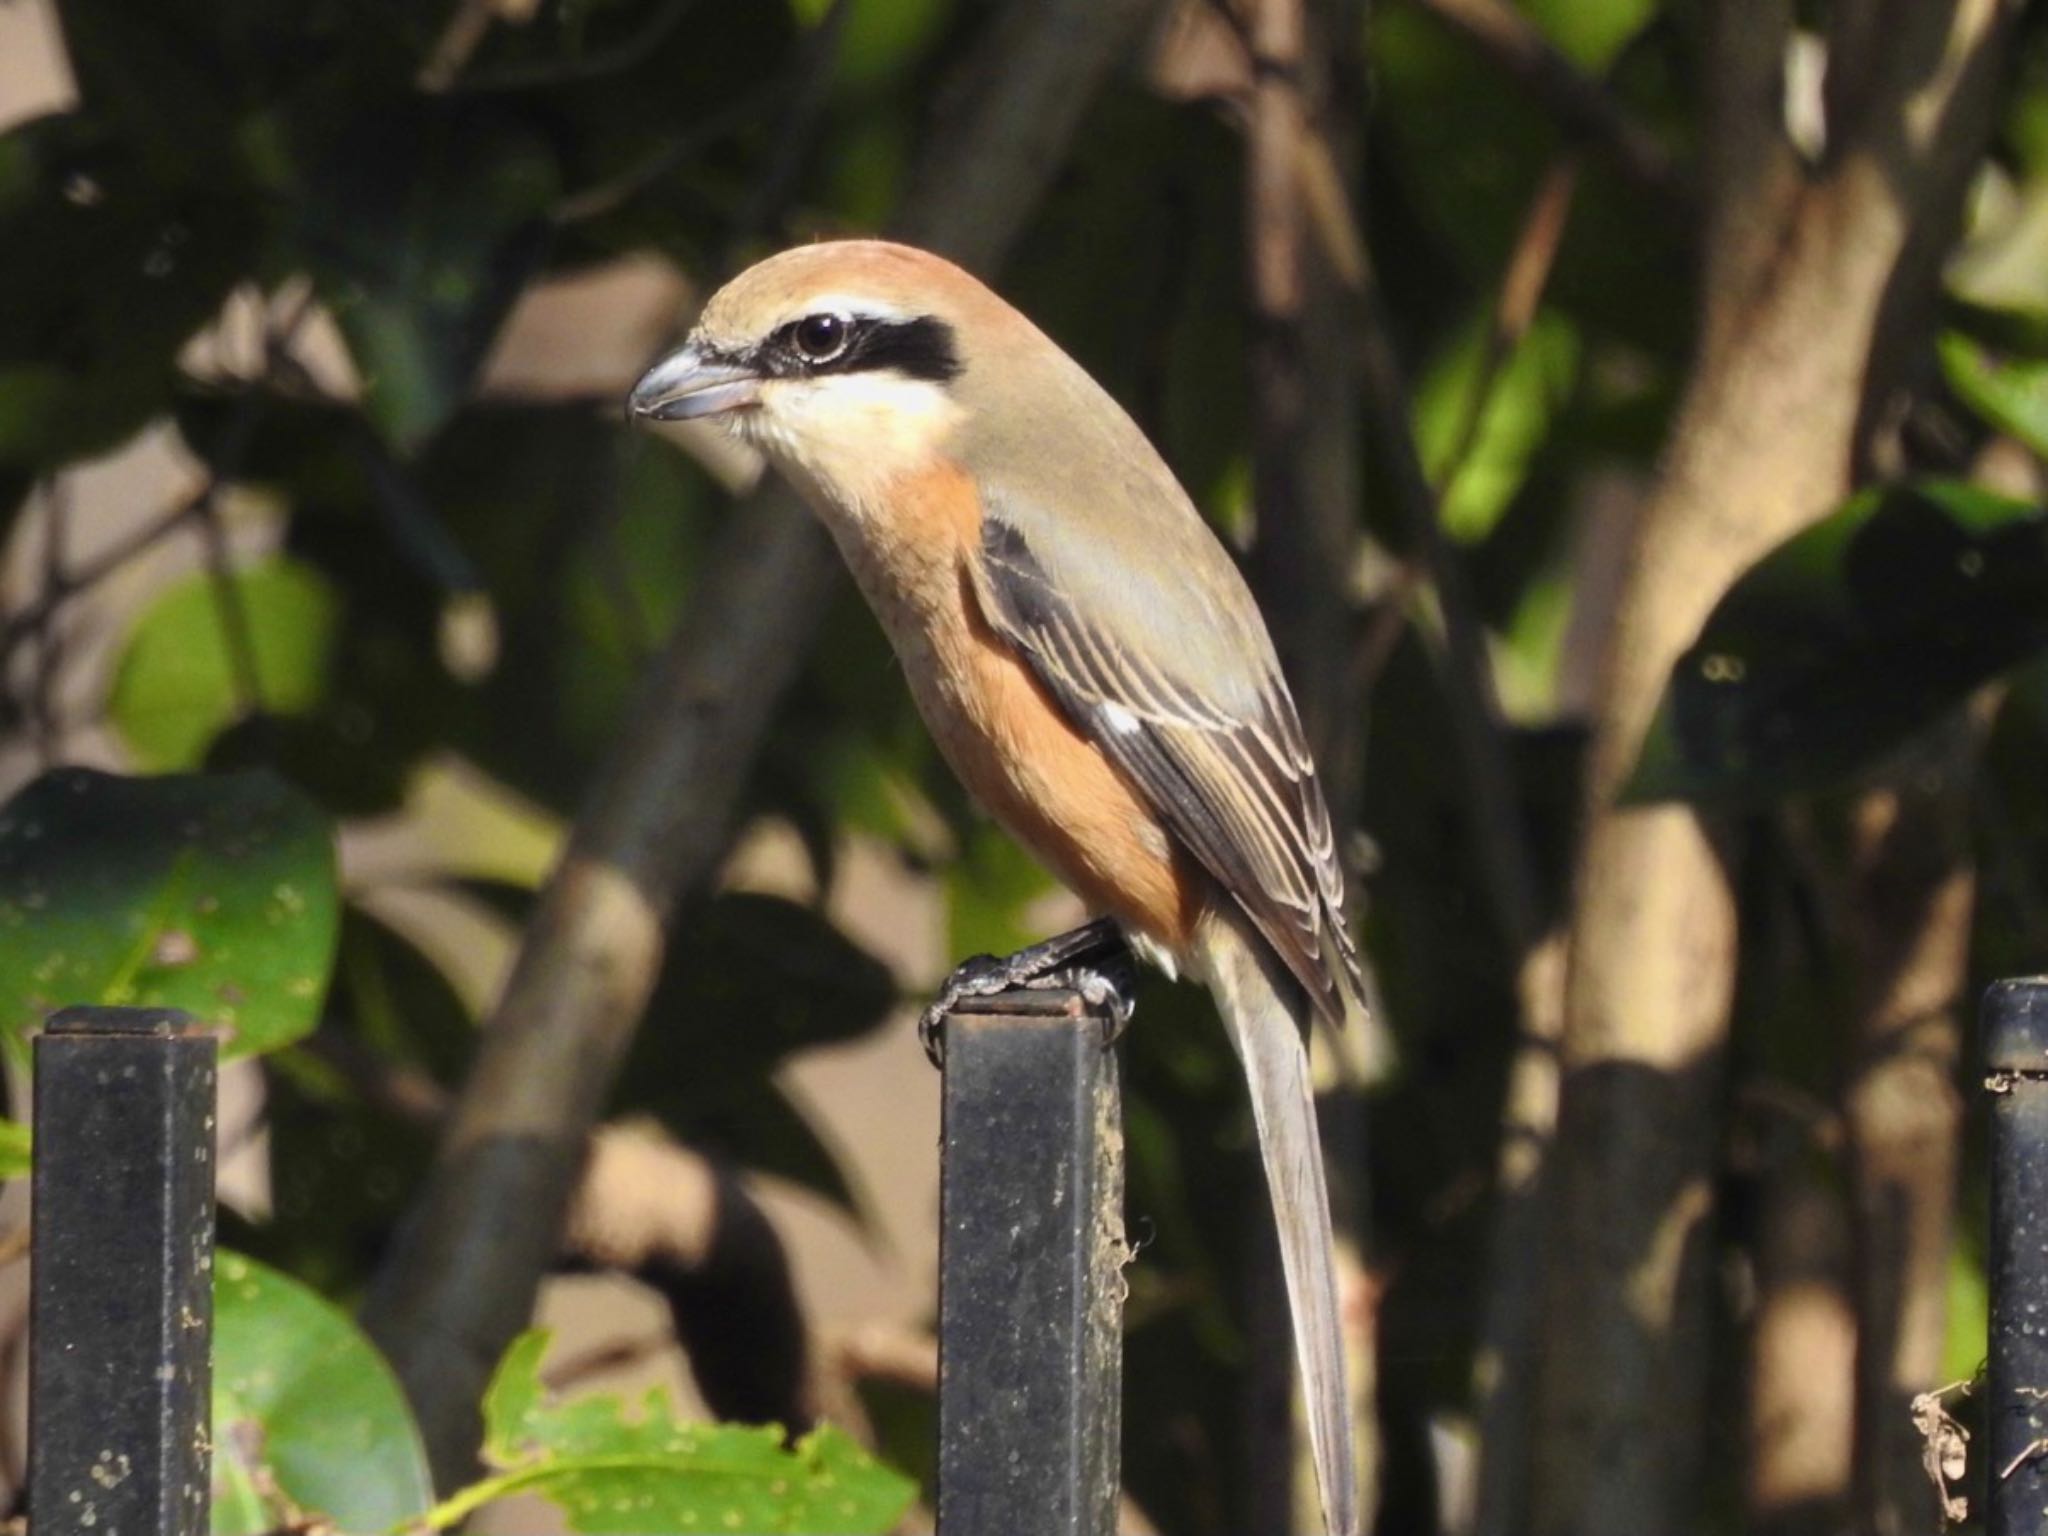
1266, 1020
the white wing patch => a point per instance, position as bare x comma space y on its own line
1119, 719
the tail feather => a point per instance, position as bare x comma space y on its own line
1265, 1014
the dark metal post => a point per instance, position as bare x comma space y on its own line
121, 1311
2016, 1405
1031, 1255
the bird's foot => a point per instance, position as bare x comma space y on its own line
1092, 960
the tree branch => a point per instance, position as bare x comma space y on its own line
1763, 444
1803, 1340
460, 1281
1504, 1362
1752, 174
686, 1228
1306, 495
1912, 892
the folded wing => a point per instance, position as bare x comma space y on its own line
1221, 757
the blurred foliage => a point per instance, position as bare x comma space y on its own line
306, 1417
180, 682
752, 981
453, 588
215, 895
312, 1429
614, 1469
1861, 630
15, 1149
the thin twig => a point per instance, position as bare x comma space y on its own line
464, 34
1287, 561
1508, 1321
458, 40
1514, 310
569, 1372
71, 584
1582, 107
230, 602
601, 199
64, 585
636, 627
809, 92
591, 66
1500, 841
50, 639
1385, 625
231, 608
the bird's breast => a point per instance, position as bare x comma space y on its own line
1006, 737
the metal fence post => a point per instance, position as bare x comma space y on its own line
1030, 1271
2016, 1401
121, 1306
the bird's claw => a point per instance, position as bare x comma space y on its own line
976, 976
1109, 985
1106, 980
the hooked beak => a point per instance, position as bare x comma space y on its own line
687, 385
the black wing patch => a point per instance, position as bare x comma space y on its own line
1241, 792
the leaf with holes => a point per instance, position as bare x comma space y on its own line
614, 1470
307, 1417
1848, 638
215, 894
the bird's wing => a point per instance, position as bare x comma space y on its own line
1196, 714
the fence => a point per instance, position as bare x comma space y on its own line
1031, 1255
1030, 1308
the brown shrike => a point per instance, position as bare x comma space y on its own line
1087, 657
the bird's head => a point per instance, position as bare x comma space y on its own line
841, 362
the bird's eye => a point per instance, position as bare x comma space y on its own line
820, 338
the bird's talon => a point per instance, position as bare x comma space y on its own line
1107, 986
1105, 980
931, 1034
976, 976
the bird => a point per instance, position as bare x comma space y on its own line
1090, 662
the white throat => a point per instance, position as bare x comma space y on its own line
850, 436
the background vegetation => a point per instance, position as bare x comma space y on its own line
1631, 413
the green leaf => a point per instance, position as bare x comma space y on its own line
1998, 277
176, 686
1469, 152
149, 68
306, 1415
15, 1150
1591, 32
611, 1469
2010, 393
1523, 399
1968, 1312
881, 40
1846, 639
989, 890
421, 221
212, 894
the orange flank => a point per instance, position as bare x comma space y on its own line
1006, 737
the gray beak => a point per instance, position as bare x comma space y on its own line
686, 385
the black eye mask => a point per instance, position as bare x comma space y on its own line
923, 348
